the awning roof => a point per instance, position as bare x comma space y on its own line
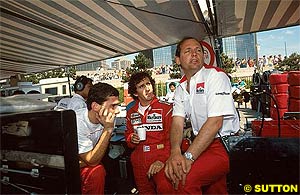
41, 35
38, 35
243, 16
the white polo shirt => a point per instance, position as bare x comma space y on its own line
88, 133
210, 95
77, 102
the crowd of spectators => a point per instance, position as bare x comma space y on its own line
118, 74
264, 61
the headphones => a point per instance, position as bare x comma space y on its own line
80, 83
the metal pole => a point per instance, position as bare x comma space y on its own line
285, 48
68, 73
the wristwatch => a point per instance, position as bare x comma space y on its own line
189, 156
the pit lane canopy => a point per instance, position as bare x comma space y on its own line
243, 16
40, 35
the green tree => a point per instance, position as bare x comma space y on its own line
290, 63
227, 63
56, 73
175, 72
140, 63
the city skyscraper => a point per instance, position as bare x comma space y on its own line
122, 63
241, 46
164, 55
92, 66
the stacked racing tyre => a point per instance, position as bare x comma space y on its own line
294, 91
279, 91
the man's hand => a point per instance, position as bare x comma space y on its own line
135, 138
174, 169
106, 118
155, 168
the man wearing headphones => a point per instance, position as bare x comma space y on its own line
81, 87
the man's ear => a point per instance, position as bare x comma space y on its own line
95, 106
177, 60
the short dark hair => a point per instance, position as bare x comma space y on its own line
178, 48
172, 83
137, 78
82, 79
99, 93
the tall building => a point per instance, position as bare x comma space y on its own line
164, 55
92, 66
241, 46
119, 64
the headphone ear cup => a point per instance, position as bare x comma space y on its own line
79, 86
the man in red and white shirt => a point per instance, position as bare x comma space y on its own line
149, 156
204, 96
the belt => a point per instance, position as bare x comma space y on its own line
148, 148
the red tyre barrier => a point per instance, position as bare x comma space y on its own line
281, 99
277, 79
279, 88
294, 105
274, 115
294, 92
289, 128
294, 78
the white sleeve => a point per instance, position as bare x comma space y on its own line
220, 100
84, 143
178, 105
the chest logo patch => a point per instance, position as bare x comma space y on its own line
136, 121
155, 117
154, 127
134, 115
200, 88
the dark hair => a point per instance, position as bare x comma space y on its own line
81, 82
137, 78
178, 48
172, 83
99, 93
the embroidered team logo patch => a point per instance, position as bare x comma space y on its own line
155, 116
200, 88
136, 121
134, 115
154, 127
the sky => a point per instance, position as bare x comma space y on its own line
273, 42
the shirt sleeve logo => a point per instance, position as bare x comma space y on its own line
200, 88
223, 93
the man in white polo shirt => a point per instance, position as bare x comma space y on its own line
204, 96
95, 125
81, 87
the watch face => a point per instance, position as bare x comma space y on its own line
188, 155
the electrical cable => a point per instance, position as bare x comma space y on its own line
15, 186
263, 115
277, 109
